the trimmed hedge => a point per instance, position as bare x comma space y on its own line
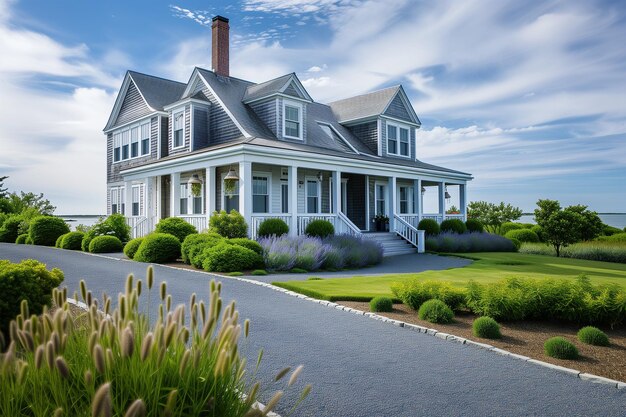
195, 244
560, 348
474, 225
45, 230
225, 257
487, 328
230, 225
523, 235
593, 336
453, 225
435, 311
175, 226
10, 229
508, 226
21, 239
381, 304
272, 227
158, 248
114, 225
415, 292
72, 240
430, 226
247, 243
320, 228
469, 242
57, 244
105, 244
130, 249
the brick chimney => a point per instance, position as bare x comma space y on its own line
219, 45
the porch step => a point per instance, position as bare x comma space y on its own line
392, 243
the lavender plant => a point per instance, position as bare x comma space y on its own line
469, 242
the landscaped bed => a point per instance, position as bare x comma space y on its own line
527, 338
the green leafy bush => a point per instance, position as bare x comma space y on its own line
193, 246
415, 292
175, 226
617, 237
435, 311
72, 240
45, 230
272, 227
474, 225
224, 257
130, 249
57, 244
517, 243
560, 348
158, 248
453, 225
320, 228
610, 230
247, 243
593, 336
523, 235
538, 231
28, 241
114, 225
298, 271
430, 227
593, 251
487, 328
259, 272
28, 280
21, 239
105, 244
381, 304
10, 229
230, 225
508, 226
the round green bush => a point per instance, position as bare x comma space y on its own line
487, 328
193, 245
57, 244
593, 336
474, 225
10, 229
114, 225
105, 244
130, 249
21, 239
430, 226
508, 226
453, 225
259, 272
537, 229
381, 304
175, 226
224, 257
158, 248
45, 230
272, 227
72, 240
435, 311
247, 243
523, 235
610, 230
516, 242
320, 228
560, 348
230, 225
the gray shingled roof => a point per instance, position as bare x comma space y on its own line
363, 106
256, 91
158, 92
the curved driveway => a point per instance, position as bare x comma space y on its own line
359, 366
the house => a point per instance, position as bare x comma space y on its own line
268, 150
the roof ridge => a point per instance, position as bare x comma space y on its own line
273, 79
397, 86
228, 76
155, 76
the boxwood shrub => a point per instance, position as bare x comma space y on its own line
523, 235
415, 292
10, 229
508, 226
247, 243
130, 249
45, 230
158, 248
560, 348
21, 239
193, 245
114, 225
593, 336
486, 327
272, 227
453, 225
320, 228
175, 226
537, 229
435, 311
225, 257
230, 225
72, 240
474, 225
105, 244
381, 304
57, 244
430, 226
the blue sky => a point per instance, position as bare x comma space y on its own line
529, 97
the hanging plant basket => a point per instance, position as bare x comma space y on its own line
229, 187
196, 190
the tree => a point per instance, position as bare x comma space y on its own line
493, 215
23, 201
592, 225
3, 191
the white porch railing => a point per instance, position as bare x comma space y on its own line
344, 225
409, 233
455, 216
304, 220
257, 219
198, 221
436, 217
140, 226
412, 219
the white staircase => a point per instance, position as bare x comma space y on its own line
392, 243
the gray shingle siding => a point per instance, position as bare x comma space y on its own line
221, 127
279, 121
200, 127
266, 110
291, 91
113, 169
398, 110
133, 106
367, 133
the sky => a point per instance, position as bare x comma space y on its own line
529, 97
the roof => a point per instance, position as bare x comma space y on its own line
365, 105
158, 92
267, 88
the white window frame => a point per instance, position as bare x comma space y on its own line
174, 114
187, 196
118, 141
268, 176
300, 107
397, 127
136, 189
385, 199
306, 195
122, 200
142, 138
115, 200
410, 198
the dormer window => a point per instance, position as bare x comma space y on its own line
397, 140
292, 120
179, 130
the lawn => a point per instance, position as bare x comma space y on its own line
487, 267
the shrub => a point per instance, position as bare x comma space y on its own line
415, 292
72, 240
435, 311
114, 225
487, 328
429, 226
105, 244
610, 230
594, 251
320, 228
298, 271
28, 241
230, 225
279, 254
45, 230
352, 251
259, 272
247, 243
130, 249
381, 304
617, 237
474, 225
310, 253
10, 229
523, 235
194, 244
235, 274
593, 336
560, 348
537, 229
21, 239
469, 242
149, 367
272, 227
453, 225
28, 280
508, 226
227, 258
516, 243
57, 244
175, 226
158, 248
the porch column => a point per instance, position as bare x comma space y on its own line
245, 192
147, 197
129, 199
175, 202
209, 191
442, 200
158, 198
292, 181
392, 202
417, 200
463, 200
336, 192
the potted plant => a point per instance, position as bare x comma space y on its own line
382, 223
196, 189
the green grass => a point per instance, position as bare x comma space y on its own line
487, 267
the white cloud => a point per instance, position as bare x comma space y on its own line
317, 68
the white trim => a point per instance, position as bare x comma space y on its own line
395, 119
308, 178
262, 174
185, 101
137, 120
174, 113
410, 197
406, 102
159, 121
276, 95
120, 100
379, 127
294, 79
300, 108
398, 126
367, 203
344, 196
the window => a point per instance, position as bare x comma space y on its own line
136, 197
312, 196
260, 194
145, 139
406, 200
284, 198
115, 200
231, 200
196, 202
134, 142
292, 118
123, 199
397, 140
184, 198
125, 144
392, 139
179, 126
404, 142
381, 190
117, 147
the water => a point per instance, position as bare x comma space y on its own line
73, 221
612, 219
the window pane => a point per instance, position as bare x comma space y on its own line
391, 132
178, 121
183, 206
404, 148
125, 152
392, 146
284, 192
259, 185
116, 154
404, 135
259, 204
145, 146
145, 131
113, 208
311, 188
403, 207
197, 205
135, 209
231, 203
292, 113
292, 129
311, 204
134, 134
178, 138
134, 150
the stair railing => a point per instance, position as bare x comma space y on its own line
409, 233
